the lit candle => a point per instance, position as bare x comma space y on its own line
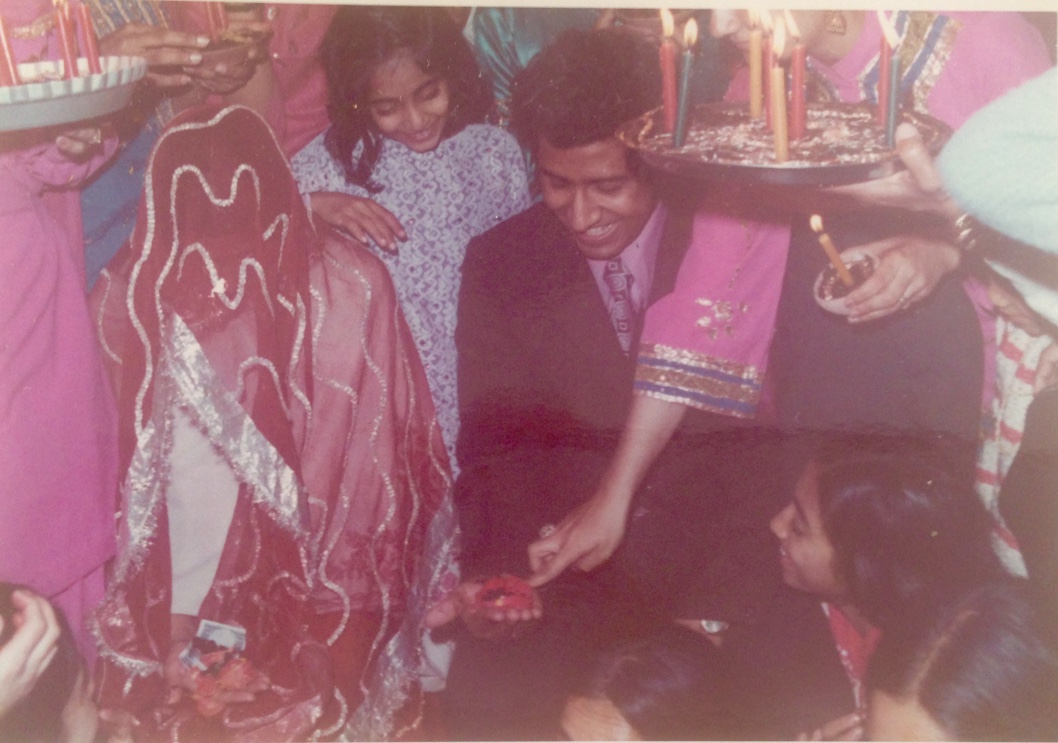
667, 55
67, 40
798, 60
756, 70
777, 89
832, 253
769, 61
89, 43
8, 66
690, 36
888, 79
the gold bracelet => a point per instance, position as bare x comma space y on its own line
966, 233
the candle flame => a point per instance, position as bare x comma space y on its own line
690, 33
892, 38
816, 222
778, 39
791, 24
766, 21
668, 25
59, 4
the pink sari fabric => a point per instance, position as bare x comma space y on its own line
706, 344
288, 352
58, 449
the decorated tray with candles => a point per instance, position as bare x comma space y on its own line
45, 99
843, 143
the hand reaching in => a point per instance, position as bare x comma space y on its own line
29, 651
909, 267
168, 53
585, 539
483, 618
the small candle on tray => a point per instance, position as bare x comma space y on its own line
8, 66
89, 43
667, 56
67, 39
816, 222
798, 62
888, 78
777, 89
756, 68
690, 37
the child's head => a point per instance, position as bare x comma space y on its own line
665, 687
59, 708
978, 669
885, 524
403, 73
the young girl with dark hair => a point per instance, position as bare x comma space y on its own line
407, 161
881, 530
980, 669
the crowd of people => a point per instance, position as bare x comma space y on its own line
365, 384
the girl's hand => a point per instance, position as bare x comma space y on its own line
30, 650
909, 269
1046, 369
168, 53
848, 727
80, 144
362, 218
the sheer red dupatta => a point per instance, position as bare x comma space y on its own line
290, 355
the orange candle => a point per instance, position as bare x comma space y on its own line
756, 69
769, 62
89, 43
67, 39
798, 62
8, 66
667, 56
777, 90
844, 274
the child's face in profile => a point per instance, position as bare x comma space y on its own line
408, 104
590, 718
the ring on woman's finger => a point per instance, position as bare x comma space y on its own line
547, 530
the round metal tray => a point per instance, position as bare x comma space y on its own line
732, 139
48, 100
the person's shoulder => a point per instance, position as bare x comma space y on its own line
527, 233
490, 137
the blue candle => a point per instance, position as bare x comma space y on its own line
690, 36
894, 96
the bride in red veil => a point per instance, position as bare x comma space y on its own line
280, 353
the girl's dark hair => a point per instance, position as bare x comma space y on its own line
359, 39
667, 686
908, 530
39, 715
980, 667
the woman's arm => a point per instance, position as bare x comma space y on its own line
589, 535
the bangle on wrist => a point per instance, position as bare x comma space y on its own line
966, 233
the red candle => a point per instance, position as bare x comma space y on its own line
885, 56
67, 39
89, 44
211, 20
8, 67
798, 61
667, 56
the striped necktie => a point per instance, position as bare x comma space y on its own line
619, 281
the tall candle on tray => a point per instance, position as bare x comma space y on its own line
67, 39
777, 90
89, 43
756, 67
888, 78
769, 61
798, 62
8, 66
667, 56
844, 274
690, 38
217, 19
